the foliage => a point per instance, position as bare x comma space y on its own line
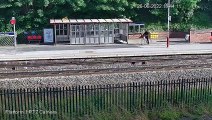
156, 27
169, 114
35, 14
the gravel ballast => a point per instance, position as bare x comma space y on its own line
103, 79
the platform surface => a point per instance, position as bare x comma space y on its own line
35, 51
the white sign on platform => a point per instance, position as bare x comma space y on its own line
48, 35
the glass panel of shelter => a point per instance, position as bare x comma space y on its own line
102, 39
93, 30
106, 33
120, 31
92, 34
111, 33
84, 34
80, 33
88, 34
124, 28
77, 34
105, 29
131, 29
116, 31
96, 33
62, 32
72, 34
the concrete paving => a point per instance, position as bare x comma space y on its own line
35, 51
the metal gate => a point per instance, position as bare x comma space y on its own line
6, 40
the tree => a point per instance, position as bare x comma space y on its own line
35, 14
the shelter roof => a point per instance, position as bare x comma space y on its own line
78, 21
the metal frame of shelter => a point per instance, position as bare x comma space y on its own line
90, 31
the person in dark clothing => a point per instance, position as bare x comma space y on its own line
146, 36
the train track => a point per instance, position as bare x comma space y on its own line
17, 69
94, 61
100, 71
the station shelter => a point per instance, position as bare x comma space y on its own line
90, 31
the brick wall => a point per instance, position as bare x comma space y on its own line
162, 35
196, 36
199, 36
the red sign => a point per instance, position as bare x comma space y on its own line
12, 22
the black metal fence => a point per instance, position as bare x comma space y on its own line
75, 101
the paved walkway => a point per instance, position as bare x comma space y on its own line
27, 52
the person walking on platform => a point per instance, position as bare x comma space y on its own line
146, 36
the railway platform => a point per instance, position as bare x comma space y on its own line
35, 51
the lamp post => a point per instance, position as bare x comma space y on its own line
13, 22
169, 19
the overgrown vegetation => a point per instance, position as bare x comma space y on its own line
199, 112
35, 14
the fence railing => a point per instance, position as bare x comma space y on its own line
70, 102
6, 40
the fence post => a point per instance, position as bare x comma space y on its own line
79, 100
15, 102
85, 100
189, 89
159, 93
130, 93
150, 94
66, 100
11, 103
208, 90
201, 90
136, 97
5, 103
1, 103
27, 115
182, 91
61, 107
127, 96
133, 97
